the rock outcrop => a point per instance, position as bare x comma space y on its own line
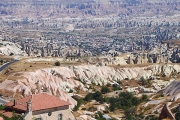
166, 113
59, 80
147, 58
173, 90
9, 48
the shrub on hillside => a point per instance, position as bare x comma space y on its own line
105, 89
57, 63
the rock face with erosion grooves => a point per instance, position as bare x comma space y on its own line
8, 48
58, 80
173, 90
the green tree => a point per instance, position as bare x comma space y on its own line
143, 81
11, 54
2, 107
119, 82
79, 102
105, 89
108, 85
135, 101
112, 107
98, 96
124, 101
144, 97
89, 97
70, 91
57, 63
1, 61
126, 95
177, 116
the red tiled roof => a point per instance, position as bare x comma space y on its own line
6, 113
39, 102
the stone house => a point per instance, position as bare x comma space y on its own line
39, 107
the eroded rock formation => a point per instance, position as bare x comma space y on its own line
166, 113
57, 80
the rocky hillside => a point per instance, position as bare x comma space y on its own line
60, 80
9, 48
173, 90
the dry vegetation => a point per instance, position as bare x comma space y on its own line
139, 65
131, 65
3, 57
132, 83
10, 94
15, 70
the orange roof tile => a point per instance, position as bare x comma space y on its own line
39, 102
6, 113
